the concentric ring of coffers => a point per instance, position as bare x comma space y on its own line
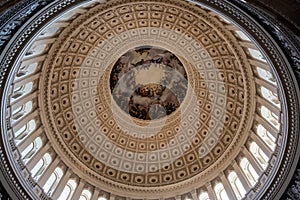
170, 150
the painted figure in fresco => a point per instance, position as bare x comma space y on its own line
148, 83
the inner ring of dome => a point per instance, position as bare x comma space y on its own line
148, 82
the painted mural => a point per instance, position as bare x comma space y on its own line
148, 83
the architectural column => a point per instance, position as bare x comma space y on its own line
61, 185
227, 186
79, 189
112, 197
47, 40
43, 179
210, 191
32, 60
260, 64
61, 24
95, 195
247, 44
194, 194
244, 180
101, 1
230, 27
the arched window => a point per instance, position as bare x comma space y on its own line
41, 166
53, 180
270, 117
50, 31
85, 195
236, 185
24, 131
68, 190
31, 149
266, 136
203, 196
266, 75
242, 35
249, 171
259, 155
223, 19
270, 96
220, 192
22, 110
257, 55
36, 49
26, 70
22, 91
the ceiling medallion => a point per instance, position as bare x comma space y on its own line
148, 82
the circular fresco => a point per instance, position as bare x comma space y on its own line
148, 82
